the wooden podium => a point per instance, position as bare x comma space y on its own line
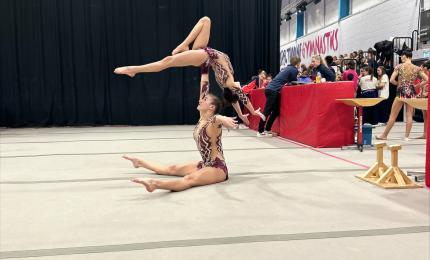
360, 103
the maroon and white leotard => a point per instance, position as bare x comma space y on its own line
222, 67
208, 139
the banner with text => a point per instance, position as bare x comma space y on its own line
324, 42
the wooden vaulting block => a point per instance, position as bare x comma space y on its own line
378, 168
388, 177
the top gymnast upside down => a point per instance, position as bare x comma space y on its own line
201, 56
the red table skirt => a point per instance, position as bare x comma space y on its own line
311, 115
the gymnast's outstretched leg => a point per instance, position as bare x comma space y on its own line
204, 176
181, 55
172, 170
186, 58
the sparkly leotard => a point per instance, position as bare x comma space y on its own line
215, 60
407, 75
210, 147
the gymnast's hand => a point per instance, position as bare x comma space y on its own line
244, 118
228, 122
258, 113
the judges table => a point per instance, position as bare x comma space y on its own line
311, 115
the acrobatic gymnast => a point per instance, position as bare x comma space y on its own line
201, 56
207, 134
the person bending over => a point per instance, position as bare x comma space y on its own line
272, 93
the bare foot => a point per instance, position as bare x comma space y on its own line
421, 137
180, 48
125, 70
149, 185
135, 161
380, 137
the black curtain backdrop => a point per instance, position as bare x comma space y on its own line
57, 57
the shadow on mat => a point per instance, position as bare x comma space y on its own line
224, 187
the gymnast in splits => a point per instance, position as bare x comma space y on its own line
207, 134
201, 56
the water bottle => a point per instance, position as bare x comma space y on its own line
318, 78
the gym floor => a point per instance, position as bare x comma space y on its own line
65, 193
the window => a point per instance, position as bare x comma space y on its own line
284, 32
331, 11
360, 5
293, 27
321, 14
288, 30
314, 17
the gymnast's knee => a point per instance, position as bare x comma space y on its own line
167, 59
190, 180
205, 19
172, 169
166, 62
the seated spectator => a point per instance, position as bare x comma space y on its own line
255, 82
319, 66
330, 64
262, 74
266, 81
304, 75
350, 74
303, 70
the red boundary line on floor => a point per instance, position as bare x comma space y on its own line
321, 152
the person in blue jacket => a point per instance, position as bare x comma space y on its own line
272, 93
